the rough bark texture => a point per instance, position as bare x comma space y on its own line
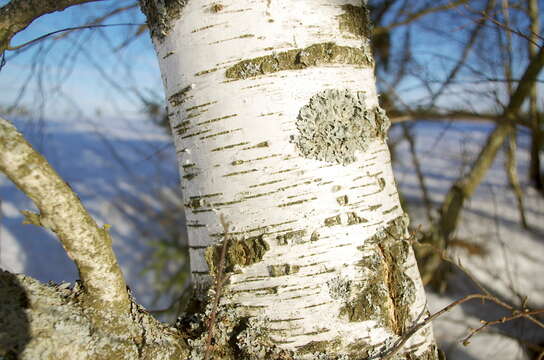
289, 147
161, 14
52, 322
18, 14
61, 211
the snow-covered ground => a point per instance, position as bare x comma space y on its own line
127, 176
512, 266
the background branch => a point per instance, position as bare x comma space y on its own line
18, 14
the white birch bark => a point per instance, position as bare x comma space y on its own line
277, 127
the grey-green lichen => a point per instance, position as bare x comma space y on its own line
161, 14
355, 20
239, 252
292, 237
387, 293
366, 299
339, 288
255, 343
283, 269
39, 321
335, 124
296, 59
432, 353
319, 346
360, 350
197, 328
234, 337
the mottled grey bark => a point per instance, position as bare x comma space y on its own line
96, 318
62, 212
39, 321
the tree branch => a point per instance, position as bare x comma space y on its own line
415, 16
62, 212
48, 321
18, 14
465, 187
466, 50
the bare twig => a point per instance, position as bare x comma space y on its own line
466, 50
485, 295
417, 166
464, 187
513, 179
219, 282
69, 29
510, 164
18, 14
523, 313
388, 354
535, 119
397, 116
458, 265
503, 26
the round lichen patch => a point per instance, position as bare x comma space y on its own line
337, 123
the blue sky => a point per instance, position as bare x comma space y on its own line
84, 73
87, 75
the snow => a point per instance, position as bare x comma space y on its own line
512, 266
121, 174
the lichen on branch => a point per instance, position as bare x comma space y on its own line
161, 14
50, 321
61, 211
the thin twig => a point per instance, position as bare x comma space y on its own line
415, 16
484, 291
39, 38
219, 282
463, 58
417, 166
499, 321
517, 314
485, 295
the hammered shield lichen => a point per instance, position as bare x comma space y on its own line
335, 124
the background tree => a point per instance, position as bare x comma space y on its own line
495, 66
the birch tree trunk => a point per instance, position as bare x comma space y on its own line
278, 130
